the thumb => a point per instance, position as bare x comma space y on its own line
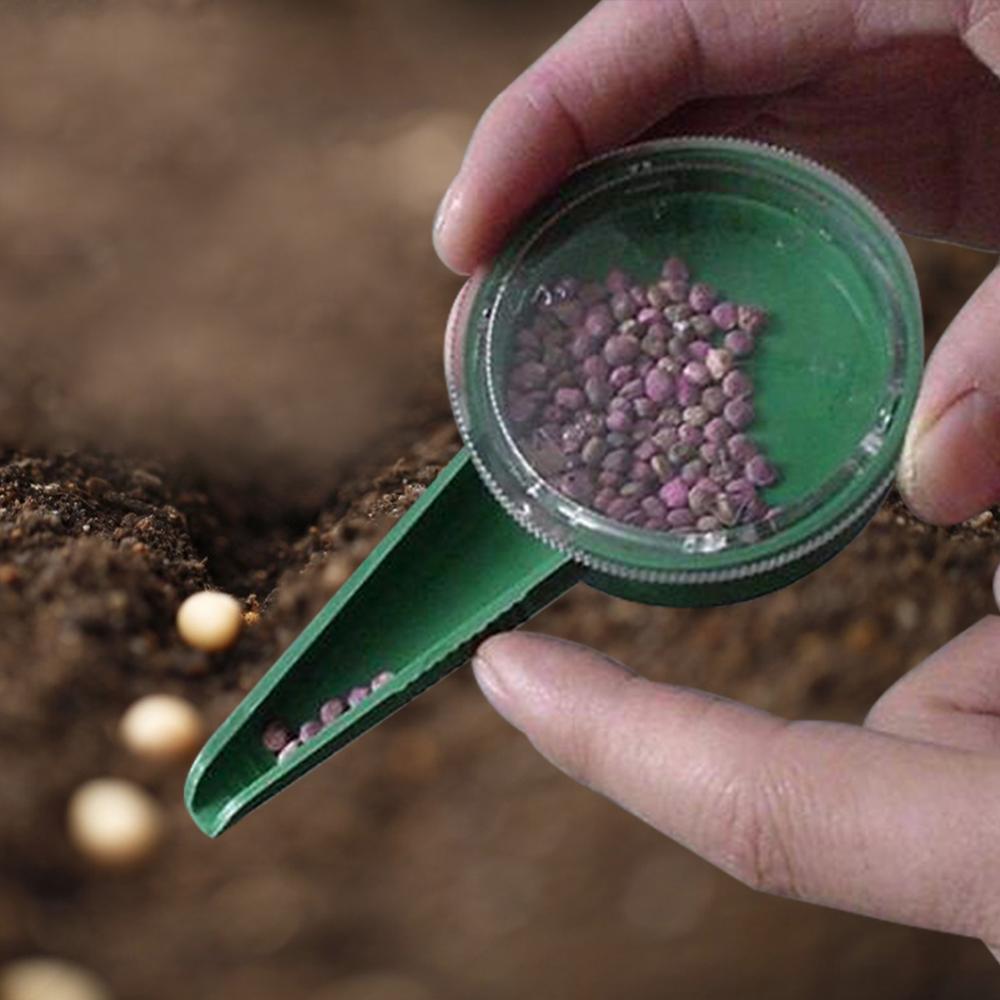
950, 468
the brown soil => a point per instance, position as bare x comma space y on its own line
219, 364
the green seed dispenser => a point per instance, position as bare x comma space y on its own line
492, 541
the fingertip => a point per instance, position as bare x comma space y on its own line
950, 467
526, 677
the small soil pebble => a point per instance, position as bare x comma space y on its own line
654, 386
50, 979
162, 728
114, 823
210, 620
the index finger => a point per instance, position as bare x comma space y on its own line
625, 66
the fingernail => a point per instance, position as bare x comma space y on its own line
950, 468
444, 211
491, 683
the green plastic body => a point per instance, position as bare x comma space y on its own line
454, 570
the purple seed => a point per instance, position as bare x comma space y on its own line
623, 306
646, 408
750, 319
702, 496
330, 711
621, 349
642, 429
582, 346
594, 450
701, 326
597, 391
713, 399
698, 350
310, 729
647, 315
620, 376
719, 362
656, 296
595, 367
617, 461
759, 471
664, 437
599, 321
659, 386
702, 297
655, 342
577, 485
737, 384
646, 450
717, 430
620, 508
680, 518
687, 392
690, 436
708, 523
604, 499
679, 311
674, 493
741, 448
724, 315
739, 342
276, 735
693, 471
739, 414
653, 507
287, 750
695, 416
710, 451
356, 696
632, 390
619, 420
662, 467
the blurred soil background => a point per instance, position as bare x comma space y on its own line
220, 340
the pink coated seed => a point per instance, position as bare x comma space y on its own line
599, 321
621, 349
276, 735
620, 376
619, 420
356, 696
751, 319
570, 399
674, 493
687, 392
309, 729
719, 362
737, 384
696, 373
380, 679
595, 367
724, 315
739, 342
717, 430
680, 518
330, 711
659, 386
702, 297
288, 750
759, 471
741, 448
713, 399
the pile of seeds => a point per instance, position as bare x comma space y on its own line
283, 742
631, 399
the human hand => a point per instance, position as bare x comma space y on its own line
901, 97
895, 819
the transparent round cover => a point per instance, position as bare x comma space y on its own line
694, 363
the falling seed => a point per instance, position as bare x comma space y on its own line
114, 823
162, 727
309, 729
287, 750
210, 620
50, 979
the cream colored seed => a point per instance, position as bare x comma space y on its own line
210, 621
162, 728
114, 823
49, 979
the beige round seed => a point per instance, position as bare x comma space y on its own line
210, 621
49, 979
114, 823
162, 728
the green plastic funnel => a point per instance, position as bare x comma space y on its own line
493, 540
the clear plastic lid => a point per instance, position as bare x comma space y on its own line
694, 363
